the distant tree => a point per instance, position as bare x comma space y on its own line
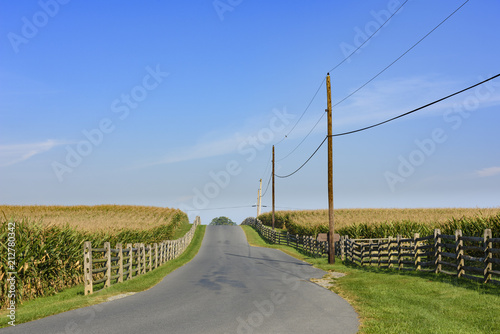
222, 221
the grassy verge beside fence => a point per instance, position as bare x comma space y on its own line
74, 298
390, 301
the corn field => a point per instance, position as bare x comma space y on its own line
380, 223
49, 257
107, 218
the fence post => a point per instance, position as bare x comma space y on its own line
120, 262
162, 244
488, 245
400, 255
130, 261
416, 251
87, 268
107, 255
156, 255
459, 252
370, 247
138, 257
389, 252
437, 250
167, 250
342, 248
345, 249
311, 244
287, 238
143, 252
150, 254
350, 250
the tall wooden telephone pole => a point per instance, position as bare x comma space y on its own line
259, 198
331, 242
273, 187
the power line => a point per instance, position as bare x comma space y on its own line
389, 120
268, 164
288, 208
359, 47
335, 67
268, 182
312, 155
414, 45
228, 207
417, 109
296, 147
373, 78
303, 113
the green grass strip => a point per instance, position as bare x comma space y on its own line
392, 301
74, 297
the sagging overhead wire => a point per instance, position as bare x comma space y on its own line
335, 67
224, 208
414, 110
312, 155
370, 80
268, 182
303, 139
389, 120
268, 165
385, 68
369, 37
304, 112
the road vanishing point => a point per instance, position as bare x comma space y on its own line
229, 287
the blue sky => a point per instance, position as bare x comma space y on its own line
178, 104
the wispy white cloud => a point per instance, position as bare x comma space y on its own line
16, 153
388, 98
254, 132
486, 172
203, 149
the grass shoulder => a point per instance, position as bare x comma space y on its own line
392, 301
181, 230
74, 297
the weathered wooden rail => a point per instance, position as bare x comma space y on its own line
476, 258
305, 243
114, 265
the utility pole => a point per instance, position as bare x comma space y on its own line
259, 198
273, 187
331, 242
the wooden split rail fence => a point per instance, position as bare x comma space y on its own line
476, 258
304, 243
114, 265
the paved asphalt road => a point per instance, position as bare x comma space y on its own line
229, 287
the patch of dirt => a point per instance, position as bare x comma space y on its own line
123, 295
327, 281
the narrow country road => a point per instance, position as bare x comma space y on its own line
229, 287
